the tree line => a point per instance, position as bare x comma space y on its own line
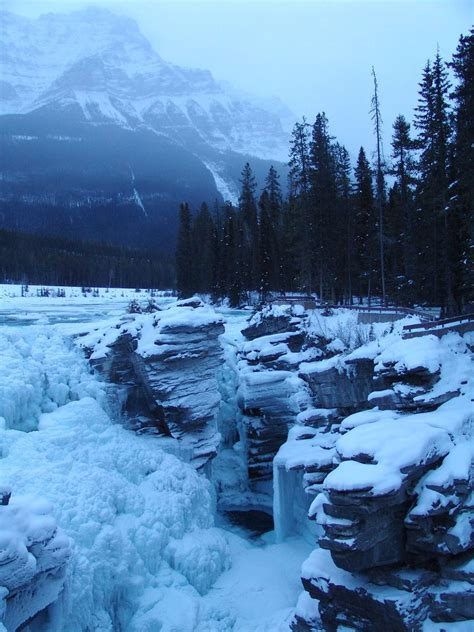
399, 230
37, 259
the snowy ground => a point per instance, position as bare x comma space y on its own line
146, 555
74, 307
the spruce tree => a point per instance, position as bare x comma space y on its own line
266, 246
290, 242
461, 204
275, 212
184, 254
345, 226
323, 199
400, 226
248, 230
299, 208
365, 226
432, 122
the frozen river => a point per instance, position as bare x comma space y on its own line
151, 537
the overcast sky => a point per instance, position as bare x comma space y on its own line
314, 55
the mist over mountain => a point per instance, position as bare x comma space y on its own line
102, 138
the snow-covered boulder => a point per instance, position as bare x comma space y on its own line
165, 366
33, 556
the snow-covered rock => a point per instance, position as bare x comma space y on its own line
395, 491
165, 366
33, 557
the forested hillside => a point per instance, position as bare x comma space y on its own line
397, 227
52, 261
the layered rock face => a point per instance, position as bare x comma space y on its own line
395, 497
290, 371
33, 557
379, 456
165, 365
270, 394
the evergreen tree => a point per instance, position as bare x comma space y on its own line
400, 226
432, 122
248, 229
266, 246
275, 203
299, 210
290, 242
184, 254
323, 198
461, 204
345, 213
365, 227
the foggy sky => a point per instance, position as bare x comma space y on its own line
314, 55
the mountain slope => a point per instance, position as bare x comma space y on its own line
101, 136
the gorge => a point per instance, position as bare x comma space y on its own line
145, 432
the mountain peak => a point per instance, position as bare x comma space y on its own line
100, 63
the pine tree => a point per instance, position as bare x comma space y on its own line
248, 230
290, 242
266, 246
323, 199
400, 228
275, 204
184, 254
345, 214
299, 210
432, 122
365, 227
461, 204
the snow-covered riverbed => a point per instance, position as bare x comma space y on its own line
144, 551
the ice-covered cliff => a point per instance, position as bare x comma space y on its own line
358, 439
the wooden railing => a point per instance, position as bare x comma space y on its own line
456, 323
311, 303
429, 325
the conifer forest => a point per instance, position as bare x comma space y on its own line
397, 227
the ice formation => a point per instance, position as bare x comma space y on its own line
111, 525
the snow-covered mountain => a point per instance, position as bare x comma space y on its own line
71, 82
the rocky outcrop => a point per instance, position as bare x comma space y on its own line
394, 495
163, 367
270, 392
289, 368
33, 558
345, 386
